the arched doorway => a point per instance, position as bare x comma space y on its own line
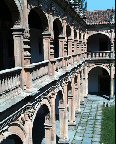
38, 23
9, 15
12, 139
58, 105
39, 131
99, 81
57, 27
98, 42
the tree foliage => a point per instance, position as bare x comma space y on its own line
82, 4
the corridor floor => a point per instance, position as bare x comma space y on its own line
88, 121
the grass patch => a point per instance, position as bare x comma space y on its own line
108, 125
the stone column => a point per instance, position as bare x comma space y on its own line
64, 119
48, 128
53, 120
18, 45
50, 29
82, 86
73, 102
28, 129
112, 41
62, 126
25, 13
70, 105
86, 80
66, 113
48, 133
111, 81
78, 98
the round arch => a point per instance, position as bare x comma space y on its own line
101, 66
94, 33
59, 25
98, 42
98, 81
15, 10
43, 102
42, 17
59, 104
9, 17
12, 138
40, 125
38, 24
58, 30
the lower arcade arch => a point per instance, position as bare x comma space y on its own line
38, 131
58, 105
12, 139
99, 81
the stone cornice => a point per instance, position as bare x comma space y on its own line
69, 10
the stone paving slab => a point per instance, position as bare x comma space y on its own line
88, 127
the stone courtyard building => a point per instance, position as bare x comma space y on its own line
51, 57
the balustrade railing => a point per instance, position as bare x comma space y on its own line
74, 57
10, 82
39, 70
100, 55
59, 63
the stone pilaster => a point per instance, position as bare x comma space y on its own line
18, 49
61, 46
70, 46
18, 45
75, 46
46, 44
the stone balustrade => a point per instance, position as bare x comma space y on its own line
74, 57
10, 82
39, 70
59, 63
100, 55
10, 79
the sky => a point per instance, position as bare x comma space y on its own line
100, 4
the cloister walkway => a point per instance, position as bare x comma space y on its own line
88, 128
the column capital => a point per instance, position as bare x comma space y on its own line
46, 34
17, 30
48, 126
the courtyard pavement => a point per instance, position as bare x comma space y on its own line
88, 121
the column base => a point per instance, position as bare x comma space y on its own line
78, 111
112, 97
72, 123
85, 96
82, 103
63, 141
